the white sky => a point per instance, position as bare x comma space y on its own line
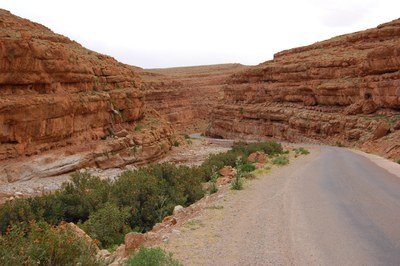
166, 33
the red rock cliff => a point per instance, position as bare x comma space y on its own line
54, 93
346, 89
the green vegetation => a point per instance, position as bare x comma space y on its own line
151, 257
135, 201
193, 224
176, 143
214, 207
42, 244
108, 209
280, 160
301, 150
138, 127
398, 161
212, 187
240, 149
248, 167
237, 183
391, 119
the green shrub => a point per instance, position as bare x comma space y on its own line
107, 225
269, 147
280, 160
219, 160
398, 161
186, 136
301, 150
151, 257
213, 188
248, 167
42, 244
176, 143
237, 182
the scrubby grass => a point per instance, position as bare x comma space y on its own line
280, 160
301, 150
214, 207
151, 257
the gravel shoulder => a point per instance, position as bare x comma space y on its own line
234, 229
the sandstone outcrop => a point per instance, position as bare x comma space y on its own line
335, 91
54, 93
186, 96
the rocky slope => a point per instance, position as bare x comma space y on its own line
56, 96
344, 90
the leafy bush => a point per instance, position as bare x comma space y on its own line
239, 149
248, 167
269, 147
151, 257
42, 244
398, 161
280, 160
107, 225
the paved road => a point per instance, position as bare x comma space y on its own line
348, 209
332, 207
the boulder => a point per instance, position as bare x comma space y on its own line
227, 171
257, 157
382, 130
106, 162
133, 241
171, 220
223, 180
178, 209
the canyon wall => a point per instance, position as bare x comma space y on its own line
57, 96
186, 96
343, 91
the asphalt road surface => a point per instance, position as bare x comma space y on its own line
348, 209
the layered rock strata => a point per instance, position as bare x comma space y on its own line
54, 93
344, 90
186, 96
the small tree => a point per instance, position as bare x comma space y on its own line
237, 183
212, 187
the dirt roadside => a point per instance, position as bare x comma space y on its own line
227, 224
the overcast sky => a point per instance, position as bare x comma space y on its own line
166, 33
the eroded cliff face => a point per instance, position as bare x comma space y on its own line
344, 90
186, 96
56, 95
